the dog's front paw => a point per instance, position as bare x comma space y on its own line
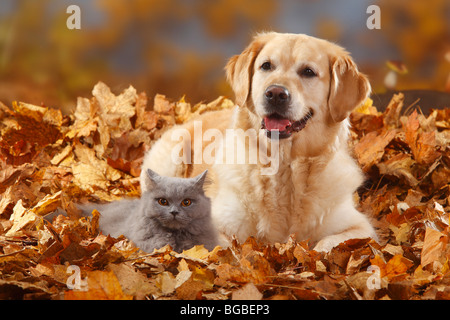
326, 244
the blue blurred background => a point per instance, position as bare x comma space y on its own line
179, 47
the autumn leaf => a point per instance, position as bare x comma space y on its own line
392, 114
370, 148
433, 246
48, 204
196, 252
166, 282
102, 285
132, 282
52, 162
396, 266
247, 292
422, 144
21, 218
400, 166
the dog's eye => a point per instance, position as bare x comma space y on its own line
266, 66
308, 73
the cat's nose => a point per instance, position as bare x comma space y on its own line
174, 213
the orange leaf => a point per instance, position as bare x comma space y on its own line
396, 266
102, 285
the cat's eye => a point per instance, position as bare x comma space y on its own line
186, 202
163, 202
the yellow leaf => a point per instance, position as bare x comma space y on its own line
116, 111
88, 177
196, 252
367, 107
48, 204
205, 276
29, 110
21, 218
38, 113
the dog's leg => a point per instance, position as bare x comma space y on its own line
353, 225
230, 218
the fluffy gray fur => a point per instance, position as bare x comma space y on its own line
152, 223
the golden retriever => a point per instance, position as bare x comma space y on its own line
295, 92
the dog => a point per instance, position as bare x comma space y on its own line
295, 92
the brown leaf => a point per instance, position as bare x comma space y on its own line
247, 292
99, 158
370, 148
189, 290
400, 166
422, 144
392, 113
133, 283
433, 246
226, 272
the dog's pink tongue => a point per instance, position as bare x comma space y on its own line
276, 123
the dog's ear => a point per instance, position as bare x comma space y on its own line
348, 88
239, 69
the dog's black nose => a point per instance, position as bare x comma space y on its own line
277, 95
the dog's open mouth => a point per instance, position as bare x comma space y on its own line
285, 127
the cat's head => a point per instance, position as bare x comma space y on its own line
175, 202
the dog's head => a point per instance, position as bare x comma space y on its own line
294, 82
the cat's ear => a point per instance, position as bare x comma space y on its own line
151, 179
200, 179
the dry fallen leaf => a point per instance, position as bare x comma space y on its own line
101, 285
49, 161
422, 144
247, 292
434, 246
370, 148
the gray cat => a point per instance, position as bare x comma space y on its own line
172, 211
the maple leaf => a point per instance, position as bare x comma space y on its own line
422, 144
371, 147
397, 265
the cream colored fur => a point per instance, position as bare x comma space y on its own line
311, 193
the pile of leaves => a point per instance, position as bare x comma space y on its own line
50, 162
